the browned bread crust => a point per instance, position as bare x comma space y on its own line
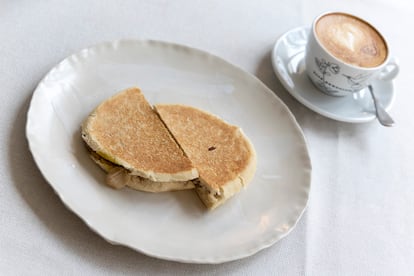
222, 154
126, 131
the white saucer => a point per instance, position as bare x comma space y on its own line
289, 66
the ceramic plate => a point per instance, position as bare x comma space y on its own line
288, 63
173, 225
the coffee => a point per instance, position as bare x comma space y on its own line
351, 40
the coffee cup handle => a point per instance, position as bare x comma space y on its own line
390, 70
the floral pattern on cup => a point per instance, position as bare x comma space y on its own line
326, 68
357, 82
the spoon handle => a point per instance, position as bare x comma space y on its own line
383, 117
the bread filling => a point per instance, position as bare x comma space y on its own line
209, 197
118, 177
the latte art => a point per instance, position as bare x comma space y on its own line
351, 40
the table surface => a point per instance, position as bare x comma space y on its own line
360, 217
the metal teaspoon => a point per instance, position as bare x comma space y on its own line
383, 117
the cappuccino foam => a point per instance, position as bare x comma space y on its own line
351, 40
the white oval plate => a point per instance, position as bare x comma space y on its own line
174, 225
288, 63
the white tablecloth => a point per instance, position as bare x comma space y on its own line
360, 217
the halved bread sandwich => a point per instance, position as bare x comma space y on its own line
127, 139
222, 154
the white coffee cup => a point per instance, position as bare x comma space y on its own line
344, 54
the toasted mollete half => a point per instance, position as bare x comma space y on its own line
222, 154
127, 139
